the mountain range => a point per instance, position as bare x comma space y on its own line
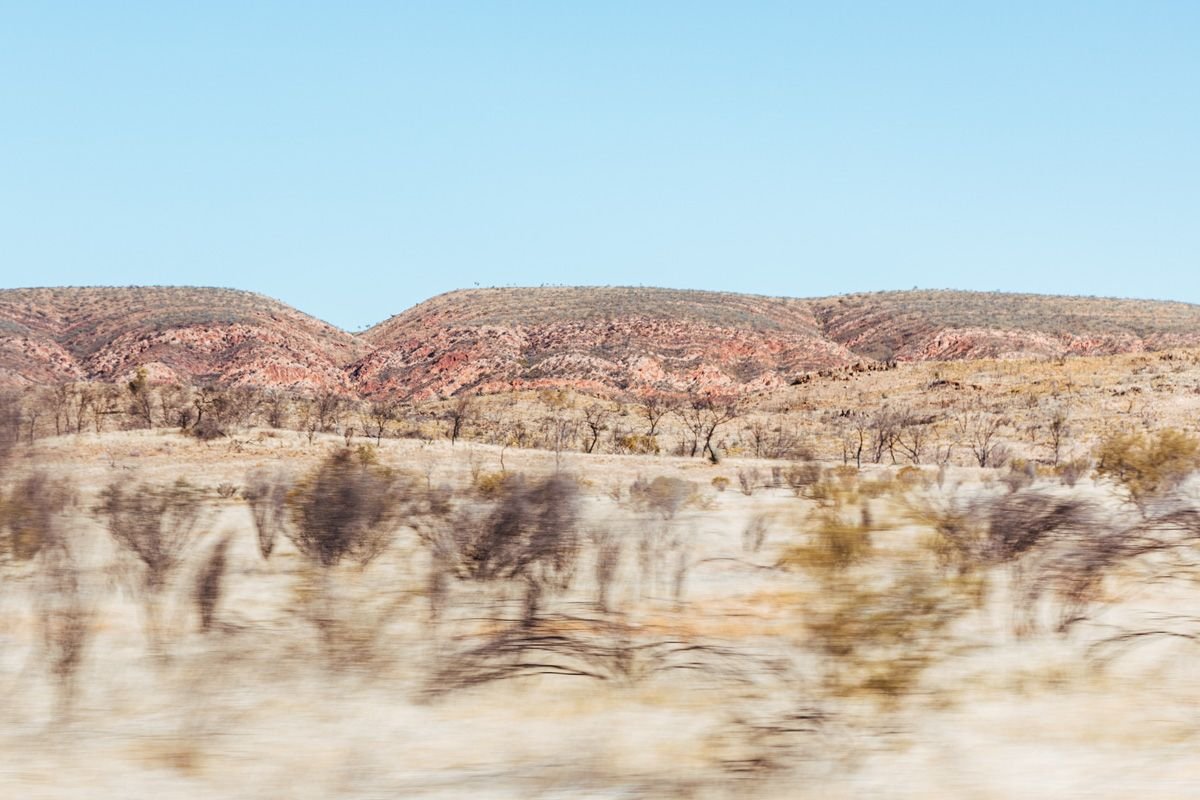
599, 340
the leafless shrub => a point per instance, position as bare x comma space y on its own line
1020, 475
65, 617
31, 516
1053, 547
155, 524
1022, 521
980, 432
227, 490
984, 532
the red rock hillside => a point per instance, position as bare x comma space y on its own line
178, 334
600, 340
629, 339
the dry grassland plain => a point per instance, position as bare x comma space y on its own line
497, 621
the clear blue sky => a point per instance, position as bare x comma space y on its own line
354, 158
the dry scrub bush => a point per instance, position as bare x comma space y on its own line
801, 477
527, 534
267, 494
1054, 548
664, 495
346, 508
33, 527
155, 523
29, 516
637, 444
528, 537
875, 624
1069, 472
1148, 467
491, 484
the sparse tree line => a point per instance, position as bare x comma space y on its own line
699, 425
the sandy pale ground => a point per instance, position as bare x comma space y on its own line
730, 706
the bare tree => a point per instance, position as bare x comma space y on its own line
654, 406
885, 431
106, 403
912, 435
327, 408
459, 414
379, 415
36, 401
141, 399
595, 418
275, 404
771, 438
980, 432
853, 429
175, 403
702, 416
85, 398
1058, 430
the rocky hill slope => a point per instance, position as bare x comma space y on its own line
595, 339
603, 340
177, 334
626, 339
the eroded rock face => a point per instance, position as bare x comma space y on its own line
599, 340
